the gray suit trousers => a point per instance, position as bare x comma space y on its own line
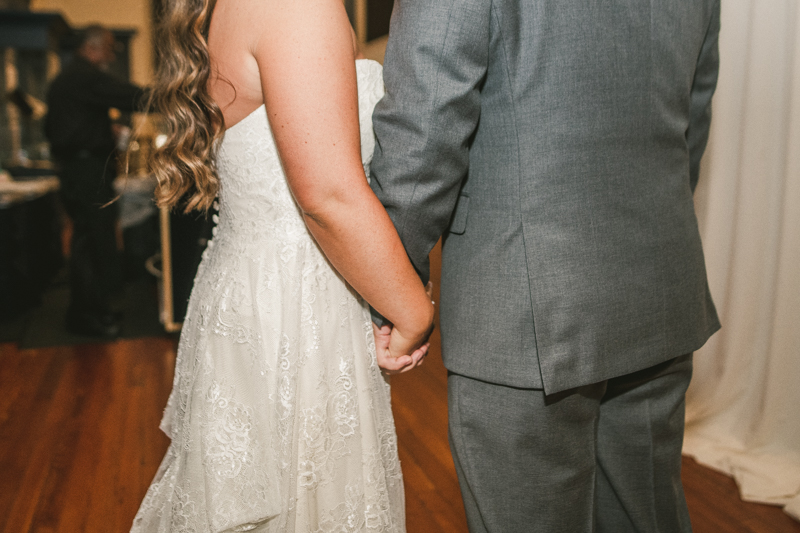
602, 458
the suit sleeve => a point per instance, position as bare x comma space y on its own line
436, 59
705, 81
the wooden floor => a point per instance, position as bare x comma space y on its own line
79, 444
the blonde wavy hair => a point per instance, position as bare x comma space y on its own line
185, 165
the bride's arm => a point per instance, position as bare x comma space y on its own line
305, 56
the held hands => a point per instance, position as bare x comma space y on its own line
396, 353
396, 364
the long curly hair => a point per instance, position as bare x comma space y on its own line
185, 165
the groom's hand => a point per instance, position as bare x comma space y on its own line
388, 342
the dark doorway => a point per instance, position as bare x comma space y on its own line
378, 14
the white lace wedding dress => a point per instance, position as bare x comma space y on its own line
279, 416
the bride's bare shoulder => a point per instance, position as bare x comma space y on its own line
295, 23
252, 40
235, 80
255, 19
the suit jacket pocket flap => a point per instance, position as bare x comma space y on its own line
459, 223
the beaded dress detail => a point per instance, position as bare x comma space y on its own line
279, 416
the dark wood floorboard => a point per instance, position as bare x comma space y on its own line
79, 444
79, 438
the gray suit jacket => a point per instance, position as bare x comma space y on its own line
556, 145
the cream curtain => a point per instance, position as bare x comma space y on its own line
743, 408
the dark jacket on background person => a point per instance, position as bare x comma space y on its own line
78, 103
82, 142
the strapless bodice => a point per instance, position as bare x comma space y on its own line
254, 200
279, 416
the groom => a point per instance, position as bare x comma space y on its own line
556, 146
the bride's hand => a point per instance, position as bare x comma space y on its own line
389, 341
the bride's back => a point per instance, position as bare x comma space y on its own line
237, 28
235, 82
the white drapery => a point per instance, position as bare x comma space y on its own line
743, 408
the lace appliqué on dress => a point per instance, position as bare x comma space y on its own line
279, 417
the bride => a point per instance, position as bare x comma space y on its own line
279, 415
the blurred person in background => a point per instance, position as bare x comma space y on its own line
82, 142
